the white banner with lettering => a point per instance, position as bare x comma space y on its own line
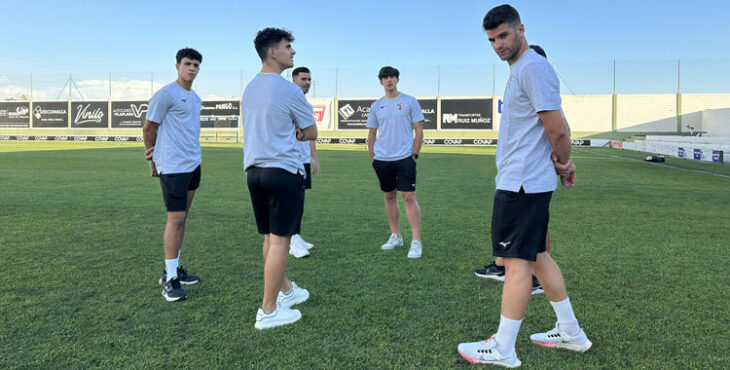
322, 110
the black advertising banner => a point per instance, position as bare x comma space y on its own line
472, 114
89, 114
129, 114
14, 115
220, 114
50, 114
353, 114
428, 107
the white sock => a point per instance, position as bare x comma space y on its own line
566, 318
171, 268
507, 335
178, 253
296, 237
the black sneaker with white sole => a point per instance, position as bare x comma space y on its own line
491, 271
172, 291
536, 287
182, 274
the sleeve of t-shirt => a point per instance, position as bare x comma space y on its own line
540, 83
372, 120
416, 112
158, 107
301, 110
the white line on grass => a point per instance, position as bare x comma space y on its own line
670, 166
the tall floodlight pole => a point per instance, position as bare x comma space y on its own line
494, 79
679, 96
679, 76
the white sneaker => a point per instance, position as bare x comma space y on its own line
485, 352
416, 249
297, 250
393, 241
298, 239
560, 339
280, 316
296, 295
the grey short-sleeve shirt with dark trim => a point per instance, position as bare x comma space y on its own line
394, 119
272, 108
177, 111
523, 149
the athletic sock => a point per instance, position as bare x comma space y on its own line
507, 335
171, 268
567, 322
296, 237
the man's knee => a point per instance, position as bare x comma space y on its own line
176, 219
391, 195
409, 197
516, 265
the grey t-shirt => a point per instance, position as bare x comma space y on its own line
177, 149
306, 152
523, 149
272, 108
394, 119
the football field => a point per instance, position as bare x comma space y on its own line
644, 249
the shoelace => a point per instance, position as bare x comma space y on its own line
487, 340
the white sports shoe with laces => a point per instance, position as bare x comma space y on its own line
416, 249
297, 249
296, 295
485, 352
280, 316
555, 338
394, 241
298, 239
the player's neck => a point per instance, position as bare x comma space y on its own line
392, 94
187, 85
517, 57
270, 66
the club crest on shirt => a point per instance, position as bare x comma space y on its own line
400, 106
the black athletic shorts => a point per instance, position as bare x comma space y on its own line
520, 224
175, 187
277, 197
400, 174
308, 178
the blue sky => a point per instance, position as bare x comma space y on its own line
133, 37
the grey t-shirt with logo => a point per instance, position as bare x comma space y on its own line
177, 149
523, 149
394, 119
272, 108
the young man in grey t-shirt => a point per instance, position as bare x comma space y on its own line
172, 140
533, 145
302, 77
394, 150
276, 119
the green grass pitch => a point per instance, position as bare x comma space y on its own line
643, 248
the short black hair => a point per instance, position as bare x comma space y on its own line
189, 53
501, 14
539, 50
388, 71
299, 70
268, 37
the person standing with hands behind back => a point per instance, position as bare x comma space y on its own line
533, 144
